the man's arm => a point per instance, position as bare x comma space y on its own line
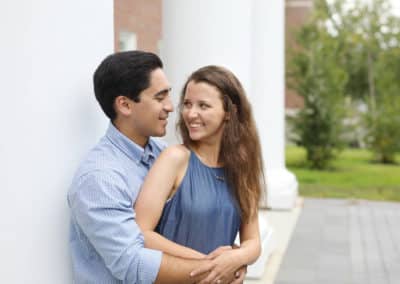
102, 207
103, 210
177, 270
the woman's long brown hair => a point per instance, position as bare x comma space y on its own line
240, 151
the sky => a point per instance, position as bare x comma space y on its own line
396, 6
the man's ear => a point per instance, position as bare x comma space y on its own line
123, 105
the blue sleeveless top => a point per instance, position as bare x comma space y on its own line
202, 214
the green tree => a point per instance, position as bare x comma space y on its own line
383, 119
375, 40
347, 50
314, 73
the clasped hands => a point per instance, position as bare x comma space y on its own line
224, 266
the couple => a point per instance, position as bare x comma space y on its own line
142, 214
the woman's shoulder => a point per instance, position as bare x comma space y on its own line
177, 153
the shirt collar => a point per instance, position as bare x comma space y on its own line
134, 151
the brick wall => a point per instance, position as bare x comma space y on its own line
296, 14
143, 17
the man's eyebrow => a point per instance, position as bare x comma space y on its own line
162, 92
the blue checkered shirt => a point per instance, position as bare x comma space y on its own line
106, 244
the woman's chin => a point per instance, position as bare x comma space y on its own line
194, 137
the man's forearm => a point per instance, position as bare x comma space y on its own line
177, 270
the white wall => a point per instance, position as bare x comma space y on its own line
49, 118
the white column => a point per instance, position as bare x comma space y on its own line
48, 118
198, 33
268, 69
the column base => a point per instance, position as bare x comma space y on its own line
282, 190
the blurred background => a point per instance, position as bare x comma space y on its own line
322, 76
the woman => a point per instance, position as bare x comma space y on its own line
198, 195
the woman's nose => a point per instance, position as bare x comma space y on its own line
193, 113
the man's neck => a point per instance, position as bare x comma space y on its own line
130, 132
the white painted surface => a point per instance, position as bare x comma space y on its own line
49, 119
268, 94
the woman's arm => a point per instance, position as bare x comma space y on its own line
226, 263
250, 243
163, 177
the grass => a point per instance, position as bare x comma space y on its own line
352, 175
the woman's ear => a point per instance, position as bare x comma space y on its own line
123, 105
227, 116
232, 112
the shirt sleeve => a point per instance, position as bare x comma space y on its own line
103, 209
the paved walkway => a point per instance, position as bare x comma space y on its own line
343, 242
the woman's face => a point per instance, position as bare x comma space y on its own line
203, 112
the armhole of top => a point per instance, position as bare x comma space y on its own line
181, 175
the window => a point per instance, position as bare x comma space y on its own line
127, 41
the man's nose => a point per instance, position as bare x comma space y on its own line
169, 106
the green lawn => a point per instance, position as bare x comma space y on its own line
353, 175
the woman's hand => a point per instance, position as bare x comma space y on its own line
223, 267
240, 275
218, 251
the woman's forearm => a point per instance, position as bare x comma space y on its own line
156, 241
249, 251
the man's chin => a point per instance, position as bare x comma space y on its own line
160, 133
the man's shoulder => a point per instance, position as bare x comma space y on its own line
98, 172
158, 144
101, 160
101, 156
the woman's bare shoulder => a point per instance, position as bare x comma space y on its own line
177, 153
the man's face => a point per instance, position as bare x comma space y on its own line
150, 114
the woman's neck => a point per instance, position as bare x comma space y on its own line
208, 153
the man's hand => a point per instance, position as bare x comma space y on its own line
222, 268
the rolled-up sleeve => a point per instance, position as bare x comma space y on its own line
102, 207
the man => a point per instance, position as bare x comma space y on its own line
105, 241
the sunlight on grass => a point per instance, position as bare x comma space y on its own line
352, 175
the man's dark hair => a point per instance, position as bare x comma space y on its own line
123, 74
